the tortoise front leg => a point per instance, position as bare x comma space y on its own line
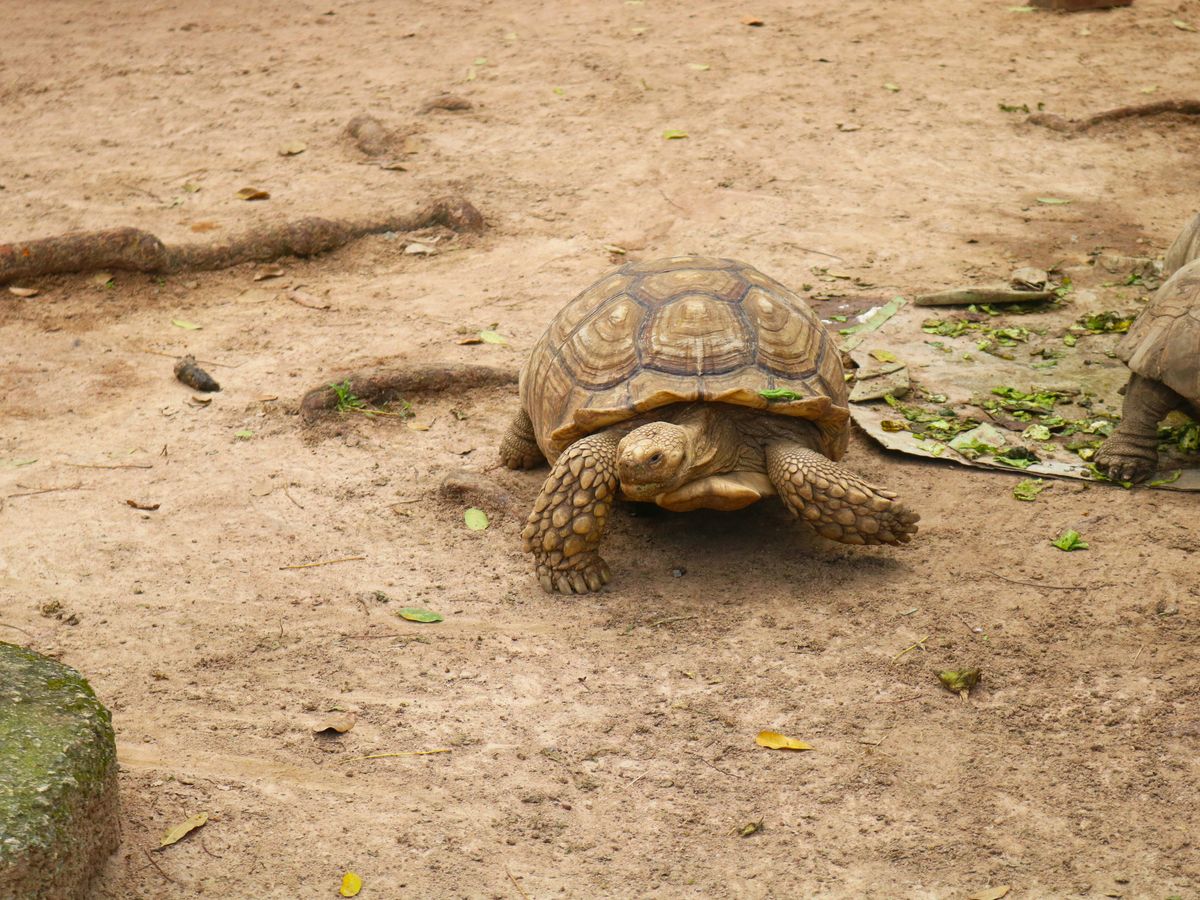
1131, 452
518, 447
835, 501
564, 530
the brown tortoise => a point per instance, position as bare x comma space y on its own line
1162, 350
688, 382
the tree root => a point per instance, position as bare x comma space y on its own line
130, 249
1141, 110
378, 388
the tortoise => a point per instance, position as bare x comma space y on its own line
691, 383
1162, 350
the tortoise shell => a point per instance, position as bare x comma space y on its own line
1163, 344
681, 330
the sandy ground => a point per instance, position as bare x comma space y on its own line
601, 746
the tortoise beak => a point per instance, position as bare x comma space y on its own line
648, 464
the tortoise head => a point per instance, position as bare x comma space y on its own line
654, 459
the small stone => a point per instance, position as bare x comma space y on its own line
678, 572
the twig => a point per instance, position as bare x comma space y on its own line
204, 847
878, 742
290, 497
670, 619
669, 200
16, 628
818, 252
636, 780
520, 889
1136, 655
295, 297
328, 562
1059, 123
154, 863
397, 755
1053, 587
205, 362
920, 643
112, 465
712, 765
69, 487
905, 700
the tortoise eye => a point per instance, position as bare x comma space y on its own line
656, 458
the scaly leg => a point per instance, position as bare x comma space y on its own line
518, 447
836, 502
1131, 452
564, 530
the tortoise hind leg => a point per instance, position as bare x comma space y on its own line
518, 448
564, 530
1131, 452
836, 502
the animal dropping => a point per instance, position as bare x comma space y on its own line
689, 383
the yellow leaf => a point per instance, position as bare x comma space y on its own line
171, 835
250, 193
991, 893
884, 355
774, 741
351, 885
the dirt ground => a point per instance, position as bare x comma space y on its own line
601, 746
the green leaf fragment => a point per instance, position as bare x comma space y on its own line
672, 134
891, 87
1028, 488
243, 435
491, 337
959, 681
1169, 479
1070, 540
476, 519
416, 614
1053, 201
184, 323
774, 395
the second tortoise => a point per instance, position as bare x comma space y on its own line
688, 382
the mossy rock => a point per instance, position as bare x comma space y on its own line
58, 779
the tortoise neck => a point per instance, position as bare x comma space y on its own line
712, 439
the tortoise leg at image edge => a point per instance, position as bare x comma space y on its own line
518, 447
1131, 452
564, 530
834, 501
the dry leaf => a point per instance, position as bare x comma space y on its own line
268, 272
23, 292
306, 299
471, 340
415, 249
392, 165
184, 323
339, 722
266, 398
752, 21
201, 227
848, 126
351, 885
418, 426
196, 400
103, 279
476, 519
991, 893
293, 148
772, 740
171, 835
250, 193
148, 507
1182, 26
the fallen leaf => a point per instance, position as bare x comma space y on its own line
959, 681
491, 337
994, 893
338, 722
244, 435
191, 187
393, 165
269, 272
351, 885
415, 249
884, 355
201, 227
293, 148
774, 741
1149, 89
418, 426
197, 400
148, 507
891, 87
1070, 540
416, 614
23, 292
1053, 201
184, 323
848, 126
752, 21
476, 519
1182, 25
471, 340
249, 193
773, 395
171, 835
672, 134
613, 248
1028, 489
699, 67
750, 828
102, 279
307, 300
